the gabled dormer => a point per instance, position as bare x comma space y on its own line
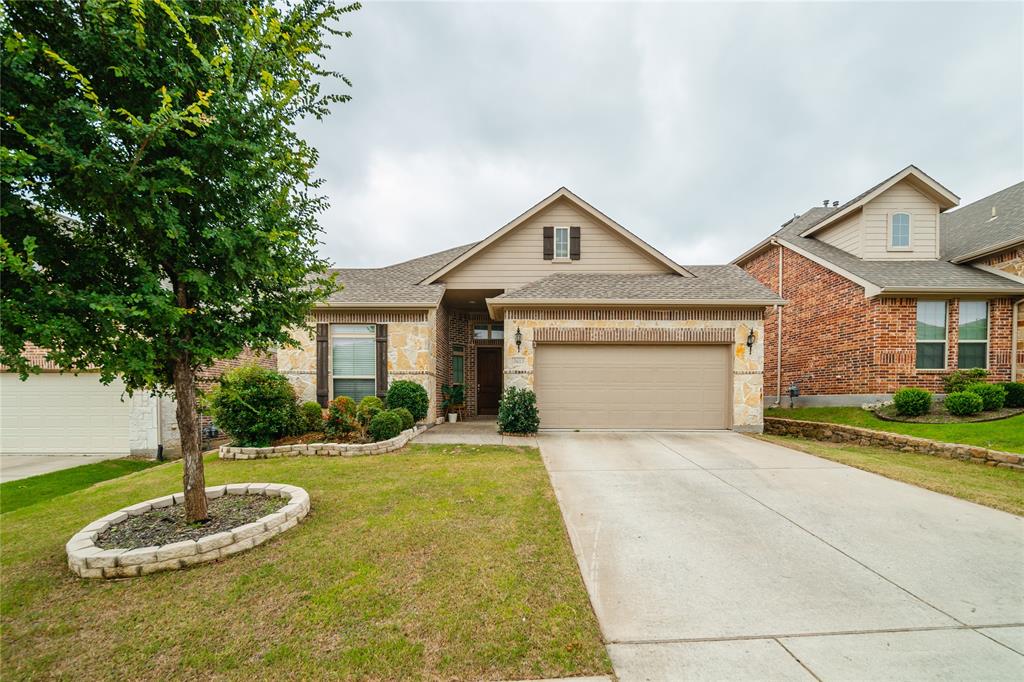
898, 219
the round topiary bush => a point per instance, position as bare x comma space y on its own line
407, 421
517, 411
341, 417
964, 403
254, 405
369, 407
312, 416
912, 402
411, 396
992, 395
385, 425
1014, 393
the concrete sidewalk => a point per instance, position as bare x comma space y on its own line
474, 431
716, 556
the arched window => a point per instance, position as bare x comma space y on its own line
899, 231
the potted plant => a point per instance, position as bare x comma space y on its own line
452, 397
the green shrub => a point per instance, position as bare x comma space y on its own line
958, 380
407, 421
1014, 393
964, 403
254, 405
517, 411
992, 395
369, 407
312, 416
411, 396
385, 425
341, 417
912, 402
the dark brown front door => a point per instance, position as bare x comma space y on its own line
488, 378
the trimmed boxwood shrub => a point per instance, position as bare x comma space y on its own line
517, 411
385, 425
411, 396
254, 405
1014, 393
912, 402
959, 379
407, 421
964, 403
312, 416
369, 407
341, 417
992, 395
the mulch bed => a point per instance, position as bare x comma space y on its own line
938, 415
166, 525
321, 437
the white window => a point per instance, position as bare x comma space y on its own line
899, 231
973, 328
354, 360
561, 243
931, 334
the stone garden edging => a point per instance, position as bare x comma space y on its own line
855, 435
87, 560
323, 449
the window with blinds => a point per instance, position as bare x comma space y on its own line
353, 360
931, 334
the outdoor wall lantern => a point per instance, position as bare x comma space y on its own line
519, 339
750, 341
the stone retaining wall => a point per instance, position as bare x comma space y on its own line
837, 433
323, 449
87, 560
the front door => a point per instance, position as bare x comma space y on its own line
488, 378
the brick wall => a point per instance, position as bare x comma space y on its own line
837, 342
1012, 262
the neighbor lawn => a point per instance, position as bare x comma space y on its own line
990, 486
439, 562
26, 491
1004, 434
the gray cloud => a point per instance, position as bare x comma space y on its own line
699, 127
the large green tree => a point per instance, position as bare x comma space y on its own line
158, 208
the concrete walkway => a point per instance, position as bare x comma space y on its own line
16, 467
712, 556
475, 431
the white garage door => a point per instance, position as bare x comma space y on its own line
52, 414
633, 387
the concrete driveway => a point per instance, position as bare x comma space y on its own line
711, 555
16, 467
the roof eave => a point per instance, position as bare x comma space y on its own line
753, 251
988, 291
988, 250
391, 305
494, 304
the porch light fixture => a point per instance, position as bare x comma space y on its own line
750, 340
519, 339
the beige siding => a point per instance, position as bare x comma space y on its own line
924, 220
517, 258
845, 235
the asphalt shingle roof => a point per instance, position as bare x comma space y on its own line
395, 283
710, 282
972, 228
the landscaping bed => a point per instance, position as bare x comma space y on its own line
165, 525
939, 415
452, 564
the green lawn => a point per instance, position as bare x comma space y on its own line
26, 491
990, 486
1004, 434
438, 562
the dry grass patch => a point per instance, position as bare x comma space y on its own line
437, 562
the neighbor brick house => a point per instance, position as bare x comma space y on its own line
607, 330
893, 288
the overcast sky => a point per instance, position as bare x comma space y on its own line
699, 127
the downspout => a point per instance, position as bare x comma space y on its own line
778, 329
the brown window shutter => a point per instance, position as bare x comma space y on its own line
574, 242
323, 363
382, 361
549, 242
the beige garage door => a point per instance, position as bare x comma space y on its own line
52, 414
633, 387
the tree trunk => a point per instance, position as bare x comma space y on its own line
194, 478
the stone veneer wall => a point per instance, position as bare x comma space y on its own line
411, 350
838, 433
748, 382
